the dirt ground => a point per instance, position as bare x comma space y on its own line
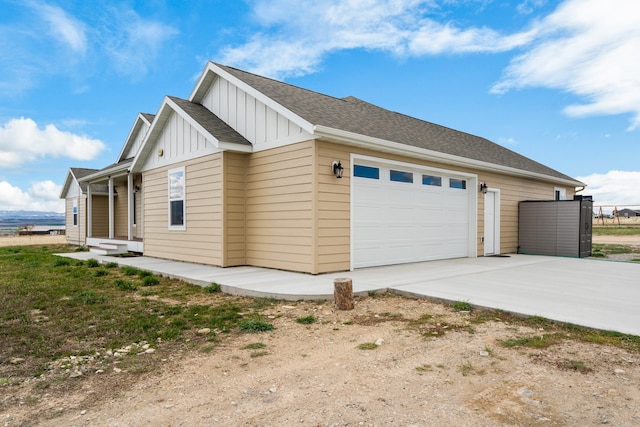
32, 240
432, 366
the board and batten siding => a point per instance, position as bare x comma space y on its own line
178, 142
279, 208
262, 126
201, 241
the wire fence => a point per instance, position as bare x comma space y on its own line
616, 215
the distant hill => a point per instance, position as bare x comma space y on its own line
18, 219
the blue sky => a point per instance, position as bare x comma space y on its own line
557, 81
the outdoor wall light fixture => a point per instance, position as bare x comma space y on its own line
337, 169
136, 188
483, 188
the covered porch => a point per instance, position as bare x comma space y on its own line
115, 226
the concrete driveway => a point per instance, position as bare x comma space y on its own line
588, 292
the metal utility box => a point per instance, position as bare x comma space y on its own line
555, 227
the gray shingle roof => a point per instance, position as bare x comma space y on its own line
148, 116
357, 116
80, 173
209, 121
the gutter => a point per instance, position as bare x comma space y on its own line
369, 142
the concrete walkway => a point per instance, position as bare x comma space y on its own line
594, 293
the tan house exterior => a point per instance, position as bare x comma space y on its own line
242, 173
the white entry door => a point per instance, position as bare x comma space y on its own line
404, 214
492, 222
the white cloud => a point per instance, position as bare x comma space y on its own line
614, 188
590, 49
42, 196
585, 47
134, 43
22, 141
63, 26
303, 32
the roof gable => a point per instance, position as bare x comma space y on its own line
74, 177
136, 135
214, 131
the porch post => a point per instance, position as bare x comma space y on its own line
130, 196
111, 224
89, 212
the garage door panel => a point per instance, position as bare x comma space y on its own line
400, 222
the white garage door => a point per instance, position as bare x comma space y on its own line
407, 214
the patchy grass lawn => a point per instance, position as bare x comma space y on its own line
616, 230
55, 307
602, 250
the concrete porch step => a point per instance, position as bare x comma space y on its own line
107, 248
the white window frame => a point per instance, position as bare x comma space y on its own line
182, 197
74, 213
559, 193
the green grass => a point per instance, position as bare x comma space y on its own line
213, 288
82, 309
616, 231
306, 320
462, 306
254, 346
600, 250
255, 325
367, 346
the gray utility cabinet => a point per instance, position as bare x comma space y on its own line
555, 227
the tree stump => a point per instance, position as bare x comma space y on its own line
343, 294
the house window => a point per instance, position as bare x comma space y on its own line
400, 176
176, 199
559, 193
75, 212
432, 180
366, 172
457, 183
135, 195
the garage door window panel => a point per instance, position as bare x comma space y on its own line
369, 172
432, 180
400, 176
457, 183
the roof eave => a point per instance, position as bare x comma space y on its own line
114, 171
364, 141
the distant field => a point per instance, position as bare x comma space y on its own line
616, 231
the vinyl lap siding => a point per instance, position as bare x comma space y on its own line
333, 207
234, 216
100, 216
75, 233
201, 242
279, 208
512, 191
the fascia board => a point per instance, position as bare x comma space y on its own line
67, 184
230, 146
117, 170
363, 141
140, 120
204, 82
213, 68
160, 119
